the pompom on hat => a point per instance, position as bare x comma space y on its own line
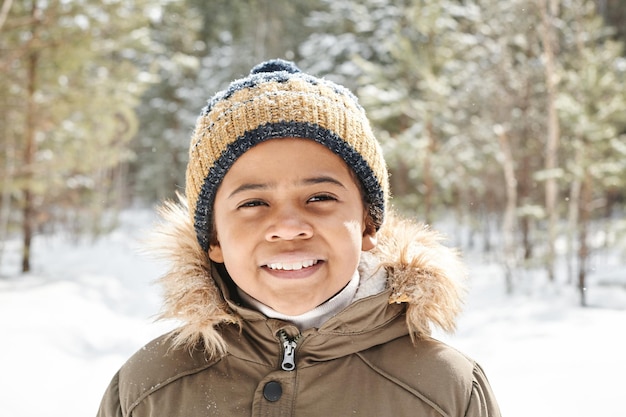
277, 100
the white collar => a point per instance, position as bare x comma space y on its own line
312, 318
368, 279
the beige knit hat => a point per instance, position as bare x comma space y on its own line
277, 100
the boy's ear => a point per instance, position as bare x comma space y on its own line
369, 240
215, 253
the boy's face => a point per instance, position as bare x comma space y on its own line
290, 223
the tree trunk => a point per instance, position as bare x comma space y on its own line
399, 179
573, 215
553, 134
30, 148
583, 248
508, 223
7, 180
429, 183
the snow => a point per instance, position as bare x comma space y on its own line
87, 306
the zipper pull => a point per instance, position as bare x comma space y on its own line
289, 352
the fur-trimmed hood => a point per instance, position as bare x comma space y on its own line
421, 272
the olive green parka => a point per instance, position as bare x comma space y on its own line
375, 358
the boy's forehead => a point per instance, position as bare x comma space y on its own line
304, 160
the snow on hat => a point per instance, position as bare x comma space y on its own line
277, 100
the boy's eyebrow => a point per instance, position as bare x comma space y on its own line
322, 179
248, 187
252, 186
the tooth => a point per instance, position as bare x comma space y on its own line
293, 266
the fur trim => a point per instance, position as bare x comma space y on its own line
421, 271
191, 295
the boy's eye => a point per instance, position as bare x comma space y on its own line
322, 197
252, 203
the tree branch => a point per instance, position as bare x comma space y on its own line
4, 12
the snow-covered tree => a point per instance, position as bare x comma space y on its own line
68, 90
592, 106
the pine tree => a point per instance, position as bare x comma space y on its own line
70, 87
409, 92
591, 104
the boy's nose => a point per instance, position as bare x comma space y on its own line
288, 225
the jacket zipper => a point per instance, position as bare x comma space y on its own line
289, 351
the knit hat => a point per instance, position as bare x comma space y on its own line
277, 100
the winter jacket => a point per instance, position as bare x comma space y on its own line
374, 358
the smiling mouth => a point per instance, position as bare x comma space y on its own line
292, 266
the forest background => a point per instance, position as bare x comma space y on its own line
507, 119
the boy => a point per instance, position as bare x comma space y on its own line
299, 295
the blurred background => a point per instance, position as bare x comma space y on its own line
507, 118
503, 124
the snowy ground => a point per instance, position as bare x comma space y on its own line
69, 325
